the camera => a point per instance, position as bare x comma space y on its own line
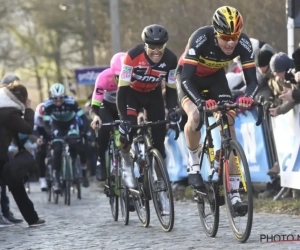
289, 76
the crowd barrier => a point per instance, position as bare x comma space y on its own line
286, 130
248, 134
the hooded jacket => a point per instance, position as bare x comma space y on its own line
11, 121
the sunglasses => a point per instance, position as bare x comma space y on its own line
154, 47
58, 98
228, 38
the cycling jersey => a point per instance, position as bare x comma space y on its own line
203, 57
105, 88
64, 113
142, 75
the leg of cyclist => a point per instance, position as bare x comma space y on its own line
192, 137
221, 93
107, 114
155, 112
75, 145
81, 146
58, 129
133, 104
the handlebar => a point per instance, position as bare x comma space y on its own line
150, 124
202, 110
141, 125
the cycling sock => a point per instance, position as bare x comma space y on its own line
194, 156
234, 184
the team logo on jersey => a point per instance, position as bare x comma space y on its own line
192, 52
162, 65
126, 73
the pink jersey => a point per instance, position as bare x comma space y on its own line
105, 88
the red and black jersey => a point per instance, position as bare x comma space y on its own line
142, 75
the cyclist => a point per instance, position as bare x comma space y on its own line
201, 67
42, 141
104, 107
62, 110
144, 67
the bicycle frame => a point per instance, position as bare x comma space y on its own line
225, 136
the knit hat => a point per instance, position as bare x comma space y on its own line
280, 62
9, 78
263, 58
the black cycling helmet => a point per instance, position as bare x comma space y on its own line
155, 34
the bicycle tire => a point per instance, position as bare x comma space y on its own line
78, 187
68, 193
211, 197
235, 146
140, 201
68, 182
113, 198
154, 153
124, 194
49, 190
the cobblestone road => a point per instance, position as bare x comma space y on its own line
87, 224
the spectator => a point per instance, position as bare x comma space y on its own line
280, 65
4, 200
13, 102
263, 73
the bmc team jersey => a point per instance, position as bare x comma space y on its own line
142, 75
105, 88
64, 113
203, 52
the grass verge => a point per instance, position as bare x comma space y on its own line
283, 206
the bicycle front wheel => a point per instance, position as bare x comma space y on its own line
67, 175
208, 206
161, 190
238, 190
124, 193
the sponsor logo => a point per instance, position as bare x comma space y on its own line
212, 64
246, 44
99, 91
126, 73
200, 40
171, 76
192, 52
162, 65
147, 78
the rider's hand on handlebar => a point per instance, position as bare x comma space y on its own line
140, 118
175, 120
94, 122
211, 104
245, 102
124, 129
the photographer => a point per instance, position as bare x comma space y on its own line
281, 66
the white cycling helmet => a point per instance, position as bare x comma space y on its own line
57, 90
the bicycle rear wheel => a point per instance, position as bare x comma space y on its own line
208, 207
161, 191
124, 193
244, 191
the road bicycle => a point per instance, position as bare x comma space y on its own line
231, 158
